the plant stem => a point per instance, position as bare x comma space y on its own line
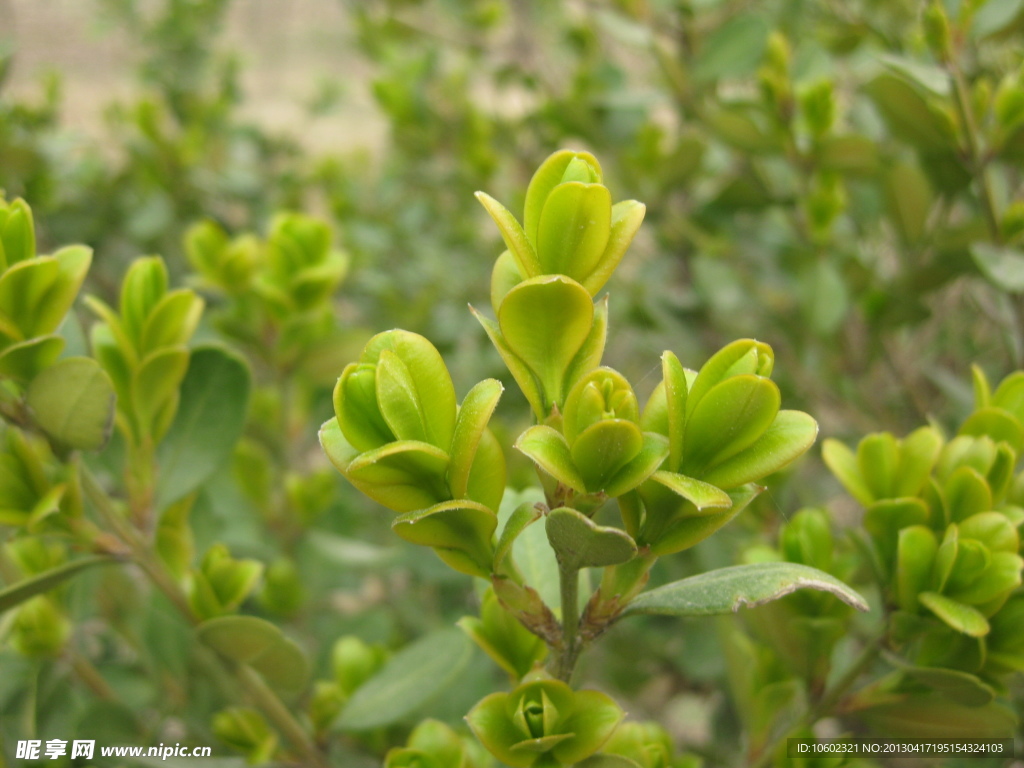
246, 678
963, 106
569, 586
826, 703
279, 715
140, 552
90, 676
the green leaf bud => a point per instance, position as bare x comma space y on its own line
818, 106
283, 592
602, 448
245, 730
221, 583
325, 705
936, 31
502, 637
40, 628
399, 437
646, 744
432, 744
544, 721
1008, 103
570, 226
17, 233
354, 661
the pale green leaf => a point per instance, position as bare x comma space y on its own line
410, 679
73, 401
728, 589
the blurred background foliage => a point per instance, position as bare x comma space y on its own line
842, 180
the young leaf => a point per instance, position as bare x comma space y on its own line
548, 449
520, 371
574, 228
915, 555
843, 463
404, 476
728, 419
428, 377
676, 389
703, 496
459, 531
688, 531
603, 448
23, 289
627, 216
154, 388
589, 356
788, 438
544, 180
651, 456
962, 618
728, 589
545, 322
515, 238
470, 424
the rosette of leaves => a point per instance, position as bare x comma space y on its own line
301, 269
221, 583
601, 449
543, 723
143, 348
944, 541
225, 264
432, 744
400, 438
725, 431
572, 238
36, 293
963, 578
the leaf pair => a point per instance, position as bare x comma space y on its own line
725, 431
965, 578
